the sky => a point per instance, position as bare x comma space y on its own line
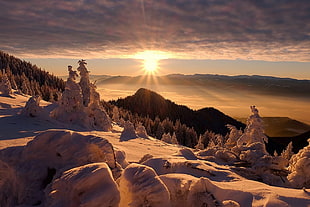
266, 37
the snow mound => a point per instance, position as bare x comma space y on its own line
91, 185
187, 154
190, 167
178, 186
140, 186
51, 153
9, 186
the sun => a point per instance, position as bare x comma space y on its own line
151, 60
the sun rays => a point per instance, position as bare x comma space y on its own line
151, 59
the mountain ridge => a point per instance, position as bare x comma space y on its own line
148, 103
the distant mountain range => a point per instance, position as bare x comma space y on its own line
256, 84
282, 126
148, 103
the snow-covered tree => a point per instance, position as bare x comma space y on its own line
5, 85
233, 137
32, 107
84, 82
72, 107
140, 130
166, 137
174, 139
288, 152
254, 131
200, 144
115, 116
299, 168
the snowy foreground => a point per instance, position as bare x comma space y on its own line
44, 162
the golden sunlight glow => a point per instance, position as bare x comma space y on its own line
150, 60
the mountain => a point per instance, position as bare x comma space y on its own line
266, 85
280, 143
148, 103
282, 126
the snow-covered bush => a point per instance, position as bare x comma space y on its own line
218, 154
32, 107
128, 132
140, 186
90, 185
141, 131
233, 137
166, 137
299, 168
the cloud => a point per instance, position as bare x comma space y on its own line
202, 29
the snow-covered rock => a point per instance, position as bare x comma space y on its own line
90, 185
140, 186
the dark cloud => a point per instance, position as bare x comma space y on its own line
210, 29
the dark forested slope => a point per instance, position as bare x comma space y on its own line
29, 78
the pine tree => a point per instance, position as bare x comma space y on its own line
288, 152
254, 131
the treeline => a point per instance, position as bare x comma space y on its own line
186, 136
30, 79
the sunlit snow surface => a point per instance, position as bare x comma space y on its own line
67, 166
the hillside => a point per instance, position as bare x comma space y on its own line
148, 103
30, 79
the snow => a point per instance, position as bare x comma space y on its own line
45, 162
141, 186
89, 185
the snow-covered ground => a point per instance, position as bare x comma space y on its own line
67, 165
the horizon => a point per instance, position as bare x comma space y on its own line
133, 67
